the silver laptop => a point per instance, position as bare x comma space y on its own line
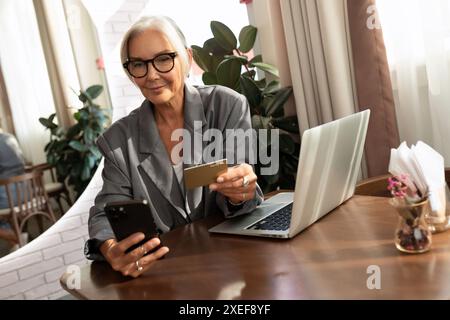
328, 168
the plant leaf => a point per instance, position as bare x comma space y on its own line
89, 135
278, 100
287, 145
266, 68
202, 58
224, 36
241, 59
289, 124
257, 58
77, 145
228, 73
247, 38
209, 78
251, 91
47, 123
249, 74
94, 91
272, 87
213, 47
260, 122
73, 131
86, 171
94, 150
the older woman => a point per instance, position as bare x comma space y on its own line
140, 152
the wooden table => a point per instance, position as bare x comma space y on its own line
329, 260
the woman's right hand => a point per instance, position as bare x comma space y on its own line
114, 253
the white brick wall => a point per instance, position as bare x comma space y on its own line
33, 271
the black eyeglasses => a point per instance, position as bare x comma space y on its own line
162, 63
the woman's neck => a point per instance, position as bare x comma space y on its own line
170, 113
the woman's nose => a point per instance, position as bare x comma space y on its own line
152, 73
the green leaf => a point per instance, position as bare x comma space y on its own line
77, 145
278, 100
261, 83
247, 38
272, 87
91, 160
287, 145
228, 73
73, 131
94, 150
260, 122
257, 58
84, 97
209, 78
202, 58
266, 68
251, 91
89, 135
77, 116
289, 124
213, 47
86, 171
242, 59
94, 91
216, 60
52, 116
249, 74
224, 36
76, 169
47, 123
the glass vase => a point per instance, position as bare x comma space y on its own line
440, 221
412, 234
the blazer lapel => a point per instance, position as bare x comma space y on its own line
156, 163
194, 124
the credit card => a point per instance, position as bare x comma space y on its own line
204, 174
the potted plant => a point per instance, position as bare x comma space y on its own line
226, 63
73, 151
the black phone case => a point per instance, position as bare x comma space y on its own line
128, 217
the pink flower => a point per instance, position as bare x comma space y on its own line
100, 63
398, 186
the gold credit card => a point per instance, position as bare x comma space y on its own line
204, 174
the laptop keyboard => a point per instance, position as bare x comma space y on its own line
279, 220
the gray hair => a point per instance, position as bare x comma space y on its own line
166, 26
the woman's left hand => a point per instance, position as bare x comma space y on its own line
237, 184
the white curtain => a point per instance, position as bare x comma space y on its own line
26, 76
417, 38
319, 52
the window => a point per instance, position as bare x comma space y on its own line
194, 17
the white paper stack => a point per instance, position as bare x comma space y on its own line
425, 168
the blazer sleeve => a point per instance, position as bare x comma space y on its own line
239, 118
116, 187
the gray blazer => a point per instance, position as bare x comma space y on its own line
137, 165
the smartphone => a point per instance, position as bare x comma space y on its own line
128, 217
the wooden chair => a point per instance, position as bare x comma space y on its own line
55, 189
31, 200
377, 186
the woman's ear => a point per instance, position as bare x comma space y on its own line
189, 52
190, 57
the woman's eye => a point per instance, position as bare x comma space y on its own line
163, 58
137, 64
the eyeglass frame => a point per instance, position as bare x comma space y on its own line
152, 61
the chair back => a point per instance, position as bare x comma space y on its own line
377, 186
26, 198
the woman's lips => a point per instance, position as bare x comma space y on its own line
156, 88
